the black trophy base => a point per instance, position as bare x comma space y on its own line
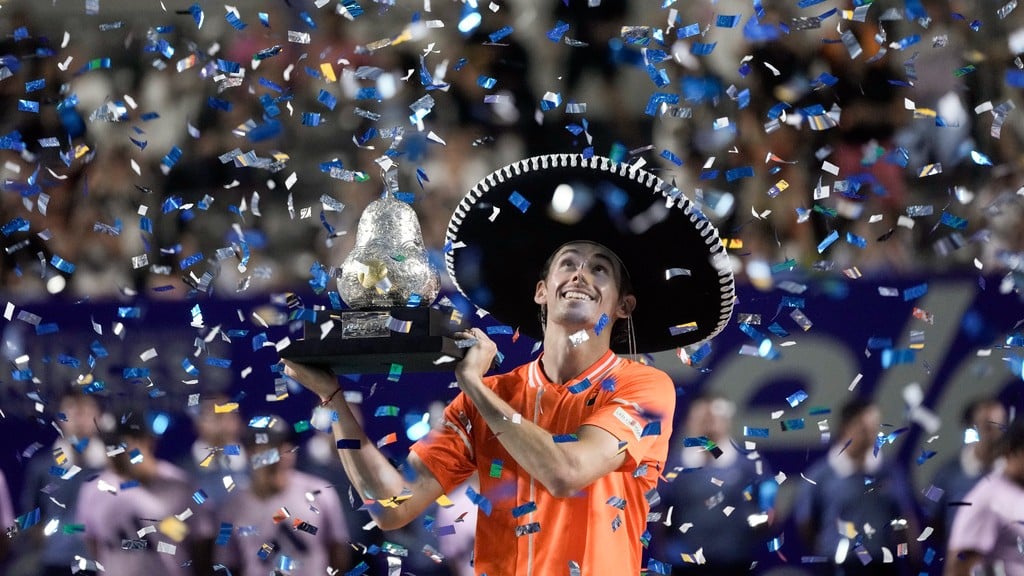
373, 341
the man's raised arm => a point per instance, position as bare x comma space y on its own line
370, 472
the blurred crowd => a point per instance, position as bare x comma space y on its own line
148, 154
261, 495
167, 151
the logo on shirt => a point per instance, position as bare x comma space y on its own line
629, 421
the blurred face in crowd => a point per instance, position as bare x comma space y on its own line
217, 429
144, 467
989, 419
861, 432
273, 478
711, 418
81, 413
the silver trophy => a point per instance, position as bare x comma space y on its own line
389, 286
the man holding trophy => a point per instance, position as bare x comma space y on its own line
569, 447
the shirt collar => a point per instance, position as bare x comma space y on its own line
598, 368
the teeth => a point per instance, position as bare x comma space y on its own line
577, 296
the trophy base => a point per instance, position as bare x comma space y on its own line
374, 341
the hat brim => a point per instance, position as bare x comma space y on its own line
508, 225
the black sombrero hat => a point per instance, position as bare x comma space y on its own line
509, 224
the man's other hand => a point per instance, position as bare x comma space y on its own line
479, 357
319, 381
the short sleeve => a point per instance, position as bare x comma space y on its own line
644, 398
448, 450
975, 527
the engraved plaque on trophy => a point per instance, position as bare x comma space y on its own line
389, 286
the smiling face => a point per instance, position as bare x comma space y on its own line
583, 281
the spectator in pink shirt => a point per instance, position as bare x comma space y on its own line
988, 534
6, 518
285, 521
138, 513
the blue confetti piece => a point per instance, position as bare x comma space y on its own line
327, 99
17, 224
199, 496
855, 240
310, 119
133, 372
307, 19
796, 398
702, 49
197, 14
62, 264
892, 357
562, 438
276, 88
234, 21
33, 85
218, 362
668, 155
28, 520
68, 361
793, 302
658, 567
481, 501
98, 349
1014, 78
608, 384
755, 432
778, 330
688, 31
224, 534
915, 292
519, 201
265, 131
695, 441
580, 386
219, 104
879, 343
953, 221
657, 99
492, 330
28, 106
828, 241
602, 322
907, 42
737, 173
500, 34
171, 159
727, 21
228, 66
47, 328
191, 260
368, 93
925, 456
556, 33
129, 312
793, 424
486, 82
524, 509
352, 8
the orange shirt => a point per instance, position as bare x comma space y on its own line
529, 532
